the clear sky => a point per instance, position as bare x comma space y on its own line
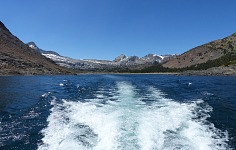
104, 29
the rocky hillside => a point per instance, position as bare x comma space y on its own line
213, 54
17, 58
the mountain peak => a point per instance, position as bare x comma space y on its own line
35, 47
120, 58
32, 45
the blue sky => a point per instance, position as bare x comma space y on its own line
104, 29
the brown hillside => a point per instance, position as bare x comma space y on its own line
204, 53
17, 58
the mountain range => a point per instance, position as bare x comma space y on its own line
214, 58
121, 63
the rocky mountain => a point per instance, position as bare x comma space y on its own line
35, 47
213, 54
134, 60
120, 63
17, 58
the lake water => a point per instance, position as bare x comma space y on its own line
117, 112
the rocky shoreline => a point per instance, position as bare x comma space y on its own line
215, 71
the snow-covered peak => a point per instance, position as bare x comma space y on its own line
120, 58
152, 58
32, 45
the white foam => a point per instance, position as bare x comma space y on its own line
175, 126
207, 93
129, 123
65, 128
46, 94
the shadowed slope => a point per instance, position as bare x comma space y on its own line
17, 58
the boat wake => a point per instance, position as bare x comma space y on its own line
122, 118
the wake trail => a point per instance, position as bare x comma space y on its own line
121, 118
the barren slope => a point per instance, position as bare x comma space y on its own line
18, 58
204, 53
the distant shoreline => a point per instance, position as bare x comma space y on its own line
158, 73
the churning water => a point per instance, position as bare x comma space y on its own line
120, 112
